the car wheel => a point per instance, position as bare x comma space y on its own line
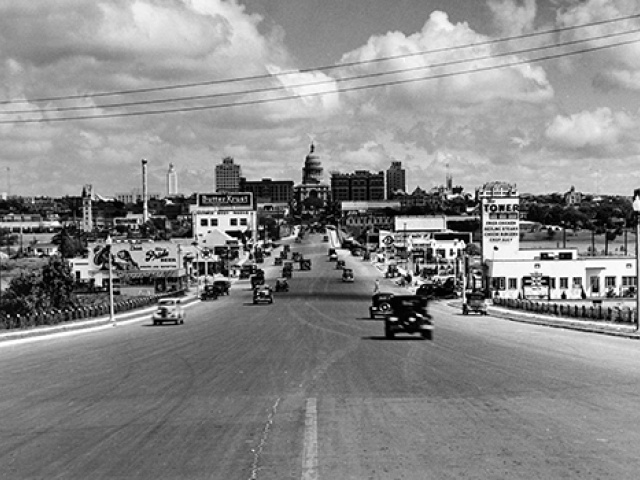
155, 323
388, 332
427, 335
385, 307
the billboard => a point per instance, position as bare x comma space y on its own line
135, 256
500, 227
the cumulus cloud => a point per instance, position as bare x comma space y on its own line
424, 82
614, 68
600, 128
513, 17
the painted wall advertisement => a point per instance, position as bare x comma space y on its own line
500, 228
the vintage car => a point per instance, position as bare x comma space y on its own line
392, 271
277, 261
262, 294
340, 264
282, 285
257, 280
287, 248
408, 314
247, 270
380, 304
169, 310
223, 286
287, 271
210, 292
347, 275
475, 302
305, 264
332, 251
296, 256
333, 257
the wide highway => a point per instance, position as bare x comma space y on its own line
309, 388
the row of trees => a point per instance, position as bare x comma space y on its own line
40, 291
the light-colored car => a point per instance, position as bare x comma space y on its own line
169, 310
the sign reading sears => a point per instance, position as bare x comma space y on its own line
243, 200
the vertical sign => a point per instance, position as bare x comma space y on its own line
500, 228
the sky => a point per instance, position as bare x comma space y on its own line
369, 82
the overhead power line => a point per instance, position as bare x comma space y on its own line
319, 82
321, 68
317, 94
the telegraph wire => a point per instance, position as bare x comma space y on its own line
318, 94
321, 68
316, 83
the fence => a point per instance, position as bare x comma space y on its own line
596, 312
56, 317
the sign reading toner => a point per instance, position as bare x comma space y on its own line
225, 200
501, 227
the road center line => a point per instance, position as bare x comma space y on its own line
310, 452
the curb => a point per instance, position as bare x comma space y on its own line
602, 328
94, 324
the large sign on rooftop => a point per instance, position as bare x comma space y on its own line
226, 200
500, 227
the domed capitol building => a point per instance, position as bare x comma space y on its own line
312, 191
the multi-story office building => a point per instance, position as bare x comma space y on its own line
172, 181
396, 180
135, 196
227, 177
269, 191
358, 186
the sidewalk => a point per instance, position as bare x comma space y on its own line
590, 326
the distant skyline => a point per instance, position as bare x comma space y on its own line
544, 126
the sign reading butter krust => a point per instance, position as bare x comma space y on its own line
500, 227
225, 200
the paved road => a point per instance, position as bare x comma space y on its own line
308, 388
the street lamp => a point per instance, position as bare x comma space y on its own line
109, 243
636, 209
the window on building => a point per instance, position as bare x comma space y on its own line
629, 281
564, 282
204, 222
546, 256
609, 282
233, 222
513, 284
577, 282
243, 222
552, 283
498, 283
565, 256
214, 222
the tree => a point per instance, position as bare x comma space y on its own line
31, 292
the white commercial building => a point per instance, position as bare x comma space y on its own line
231, 213
542, 273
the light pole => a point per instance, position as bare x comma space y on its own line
636, 209
195, 244
109, 243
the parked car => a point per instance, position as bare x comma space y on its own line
169, 310
262, 294
210, 292
347, 275
408, 314
223, 286
380, 304
305, 264
282, 285
340, 264
392, 271
277, 261
475, 302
